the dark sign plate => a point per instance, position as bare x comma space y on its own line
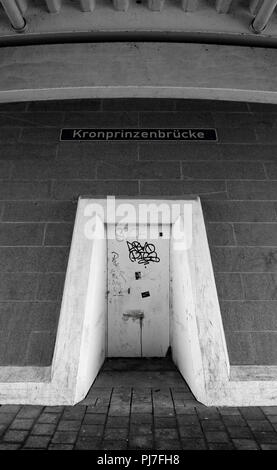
175, 134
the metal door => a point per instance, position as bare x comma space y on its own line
138, 293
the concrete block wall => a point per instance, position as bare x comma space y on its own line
41, 179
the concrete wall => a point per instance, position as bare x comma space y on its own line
41, 179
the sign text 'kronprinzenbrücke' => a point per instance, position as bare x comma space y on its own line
175, 134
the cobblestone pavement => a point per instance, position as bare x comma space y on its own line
138, 405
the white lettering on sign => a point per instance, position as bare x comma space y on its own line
182, 134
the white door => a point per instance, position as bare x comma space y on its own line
138, 293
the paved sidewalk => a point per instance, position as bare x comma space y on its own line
138, 404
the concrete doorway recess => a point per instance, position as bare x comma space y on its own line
196, 334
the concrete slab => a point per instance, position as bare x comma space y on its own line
156, 70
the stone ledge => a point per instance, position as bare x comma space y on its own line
244, 373
25, 374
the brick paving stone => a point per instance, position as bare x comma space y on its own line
193, 444
272, 418
252, 413
141, 396
140, 442
43, 429
141, 429
29, 411
233, 420
190, 432
98, 396
120, 403
181, 396
77, 412
264, 437
260, 425
9, 446
116, 409
68, 425
162, 403
165, 422
167, 444
185, 410
190, 403
140, 418
212, 425
89, 402
142, 407
3, 428
114, 445
163, 411
15, 436
180, 389
269, 446
185, 420
117, 421
11, 409
245, 444
64, 437
88, 443
95, 430
188, 398
221, 446
208, 413
248, 428
216, 436
227, 411
60, 447
22, 424
48, 418
95, 418
240, 432
53, 409
37, 442
269, 410
6, 418
187, 402
166, 433
180, 400
100, 407
116, 433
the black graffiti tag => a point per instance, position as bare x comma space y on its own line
143, 254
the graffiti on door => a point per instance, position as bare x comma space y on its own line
143, 254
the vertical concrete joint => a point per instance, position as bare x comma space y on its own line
189, 5
156, 5
53, 6
121, 5
223, 6
87, 5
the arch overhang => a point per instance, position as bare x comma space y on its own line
138, 70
